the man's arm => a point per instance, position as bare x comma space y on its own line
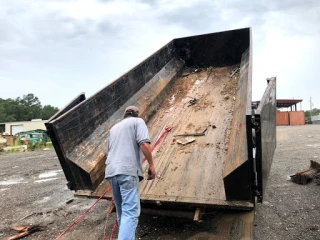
146, 150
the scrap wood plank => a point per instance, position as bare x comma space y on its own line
198, 214
25, 230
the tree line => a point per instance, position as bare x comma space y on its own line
29, 107
24, 109
314, 112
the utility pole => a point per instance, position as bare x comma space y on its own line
310, 110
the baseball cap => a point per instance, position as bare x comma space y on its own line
131, 109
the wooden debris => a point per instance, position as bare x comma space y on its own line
29, 215
198, 214
185, 141
306, 176
25, 230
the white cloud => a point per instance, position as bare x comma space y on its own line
57, 49
289, 51
91, 9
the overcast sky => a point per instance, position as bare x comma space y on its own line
59, 48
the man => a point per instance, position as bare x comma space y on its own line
126, 141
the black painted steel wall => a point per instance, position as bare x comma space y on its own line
266, 135
215, 49
74, 129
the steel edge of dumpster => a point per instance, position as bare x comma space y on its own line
192, 50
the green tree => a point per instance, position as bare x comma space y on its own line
7, 112
315, 111
3, 113
29, 100
24, 109
48, 111
30, 107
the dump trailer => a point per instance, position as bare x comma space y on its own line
195, 96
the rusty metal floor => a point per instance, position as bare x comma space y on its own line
192, 173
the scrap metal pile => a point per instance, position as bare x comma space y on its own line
306, 176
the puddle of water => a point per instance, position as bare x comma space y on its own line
11, 182
4, 189
45, 180
49, 174
44, 200
41, 155
15, 166
315, 145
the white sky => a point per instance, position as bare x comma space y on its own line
59, 48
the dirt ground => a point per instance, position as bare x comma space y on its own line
33, 191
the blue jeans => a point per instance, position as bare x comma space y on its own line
125, 190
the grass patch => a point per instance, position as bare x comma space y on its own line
37, 147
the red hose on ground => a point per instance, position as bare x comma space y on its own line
81, 216
167, 129
113, 229
107, 218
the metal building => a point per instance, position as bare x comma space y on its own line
11, 128
292, 117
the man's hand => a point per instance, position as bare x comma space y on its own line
146, 149
151, 172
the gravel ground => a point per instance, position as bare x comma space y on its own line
33, 183
291, 211
33, 191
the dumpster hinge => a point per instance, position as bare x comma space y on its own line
255, 129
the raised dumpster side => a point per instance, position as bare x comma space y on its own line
79, 133
238, 172
265, 119
56, 141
